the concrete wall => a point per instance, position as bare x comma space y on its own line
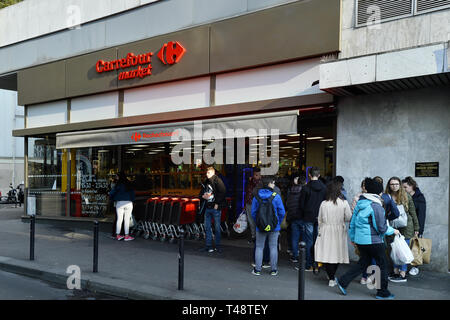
385, 135
161, 17
393, 35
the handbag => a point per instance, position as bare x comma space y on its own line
402, 219
401, 253
241, 223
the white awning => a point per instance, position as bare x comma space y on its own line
241, 126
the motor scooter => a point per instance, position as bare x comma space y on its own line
12, 195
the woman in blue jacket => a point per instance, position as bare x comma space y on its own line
264, 194
367, 229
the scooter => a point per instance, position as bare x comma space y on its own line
12, 195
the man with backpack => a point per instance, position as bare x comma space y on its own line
311, 197
268, 213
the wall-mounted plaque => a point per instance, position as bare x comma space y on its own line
427, 169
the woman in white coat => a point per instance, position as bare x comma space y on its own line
331, 247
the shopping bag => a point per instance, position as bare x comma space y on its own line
425, 246
284, 224
416, 251
401, 253
241, 223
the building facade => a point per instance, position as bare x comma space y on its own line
391, 83
104, 87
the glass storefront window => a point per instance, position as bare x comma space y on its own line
94, 170
46, 192
152, 172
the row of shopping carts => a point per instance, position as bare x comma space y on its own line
164, 217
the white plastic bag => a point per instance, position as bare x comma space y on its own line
401, 253
132, 221
241, 223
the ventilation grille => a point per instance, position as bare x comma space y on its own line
370, 10
432, 5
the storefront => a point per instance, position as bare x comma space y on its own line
124, 108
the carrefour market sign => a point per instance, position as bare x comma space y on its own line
170, 53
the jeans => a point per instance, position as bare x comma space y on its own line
273, 247
308, 230
367, 252
266, 252
402, 267
211, 213
296, 234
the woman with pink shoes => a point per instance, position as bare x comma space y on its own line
123, 196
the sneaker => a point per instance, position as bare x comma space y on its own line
363, 281
294, 260
206, 249
210, 250
274, 273
266, 265
255, 272
414, 271
343, 291
331, 283
219, 250
390, 297
119, 237
397, 278
128, 238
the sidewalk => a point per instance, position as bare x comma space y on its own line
146, 269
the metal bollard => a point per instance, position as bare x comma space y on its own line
181, 261
95, 246
301, 271
32, 229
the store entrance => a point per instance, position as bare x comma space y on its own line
153, 173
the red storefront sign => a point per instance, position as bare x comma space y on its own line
170, 53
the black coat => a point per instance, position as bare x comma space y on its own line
311, 197
293, 203
421, 207
219, 191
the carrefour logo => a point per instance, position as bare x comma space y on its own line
169, 54
136, 136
